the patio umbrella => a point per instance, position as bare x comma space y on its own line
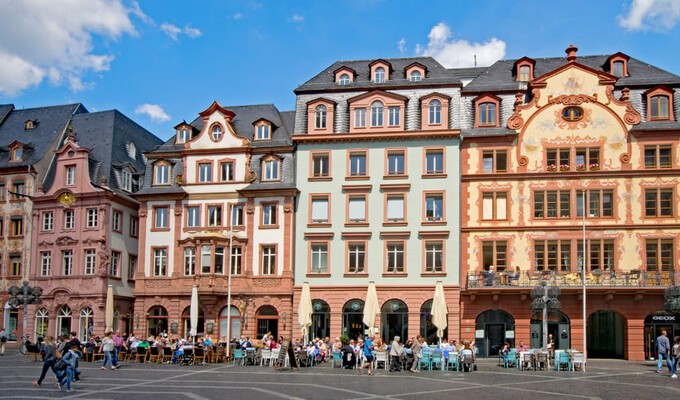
439, 310
305, 310
193, 311
109, 310
371, 307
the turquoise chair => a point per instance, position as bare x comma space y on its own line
238, 354
452, 360
425, 360
510, 360
337, 356
436, 358
562, 358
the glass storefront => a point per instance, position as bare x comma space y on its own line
655, 323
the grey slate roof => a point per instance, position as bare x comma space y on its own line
657, 126
50, 124
484, 132
500, 77
4, 111
436, 75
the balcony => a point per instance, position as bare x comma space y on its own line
596, 278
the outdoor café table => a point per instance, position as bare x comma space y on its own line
525, 356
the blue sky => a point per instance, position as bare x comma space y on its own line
160, 62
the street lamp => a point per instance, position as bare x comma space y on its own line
24, 295
545, 298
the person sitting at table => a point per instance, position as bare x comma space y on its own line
467, 353
144, 343
450, 346
504, 352
521, 346
396, 354
222, 341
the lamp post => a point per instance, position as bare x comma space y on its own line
24, 295
545, 298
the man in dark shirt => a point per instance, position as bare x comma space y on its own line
74, 343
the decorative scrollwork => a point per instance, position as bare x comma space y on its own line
624, 158
523, 161
515, 122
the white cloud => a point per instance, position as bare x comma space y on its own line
173, 31
297, 18
402, 46
453, 53
236, 16
656, 15
154, 111
55, 40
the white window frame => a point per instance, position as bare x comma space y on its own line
67, 263
320, 116
161, 217
193, 216
271, 170
45, 263
48, 221
162, 174
114, 265
360, 117
90, 261
70, 175
127, 180
116, 220
69, 219
435, 108
377, 111
92, 217
268, 260
160, 261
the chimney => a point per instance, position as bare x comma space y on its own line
571, 53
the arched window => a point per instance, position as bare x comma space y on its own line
352, 319
415, 76
320, 117
216, 132
41, 320
85, 324
157, 320
524, 73
394, 319
487, 114
572, 113
344, 79
267, 321
435, 112
63, 321
658, 107
379, 75
377, 113
235, 317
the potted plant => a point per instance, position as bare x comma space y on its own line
580, 167
552, 167
564, 167
594, 166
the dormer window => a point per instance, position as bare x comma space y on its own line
162, 174
377, 113
659, 104
183, 135
17, 153
343, 80
617, 68
271, 169
379, 75
320, 117
216, 132
524, 73
29, 125
263, 130
132, 150
126, 180
435, 112
416, 76
487, 107
524, 69
618, 65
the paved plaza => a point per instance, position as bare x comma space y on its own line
605, 379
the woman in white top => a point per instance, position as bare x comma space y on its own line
107, 348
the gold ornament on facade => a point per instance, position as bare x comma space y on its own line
67, 199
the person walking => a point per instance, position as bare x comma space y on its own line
417, 351
676, 355
663, 349
396, 352
118, 344
70, 358
108, 348
51, 356
368, 353
3, 341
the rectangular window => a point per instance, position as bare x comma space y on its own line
600, 254
15, 264
236, 214
357, 164
17, 226
69, 219
434, 256
269, 214
396, 163
183, 136
319, 258
434, 207
587, 158
115, 221
127, 180
215, 216
268, 260
494, 161
552, 203
67, 263
45, 263
226, 171
160, 261
434, 162
206, 253
70, 176
599, 203
658, 202
393, 116
114, 265
319, 210
356, 209
162, 174
558, 158
134, 226
271, 170
359, 117
658, 156
48, 221
160, 216
395, 257
494, 254
205, 172
356, 257
659, 255
193, 217
552, 255
189, 261
219, 260
19, 190
92, 214
90, 261
320, 165
132, 267
263, 132
395, 208
236, 257
2, 191
494, 205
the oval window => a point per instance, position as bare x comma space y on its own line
572, 113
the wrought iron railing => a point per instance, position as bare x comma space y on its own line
596, 278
